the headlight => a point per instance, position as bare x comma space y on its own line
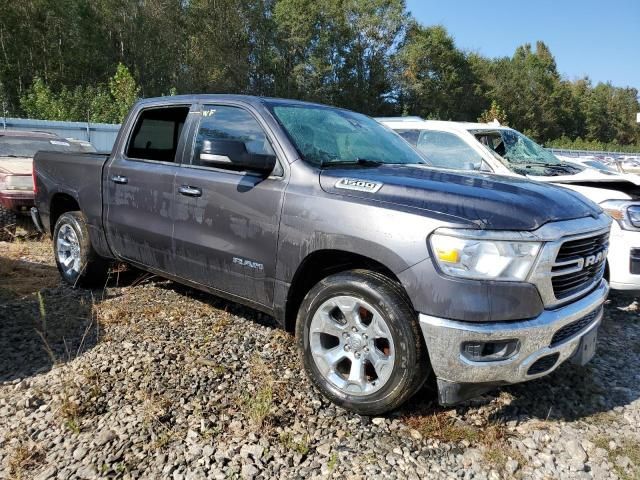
626, 213
483, 258
17, 182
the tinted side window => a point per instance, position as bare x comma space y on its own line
447, 150
156, 134
230, 129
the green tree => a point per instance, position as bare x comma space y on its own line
494, 113
529, 88
124, 92
338, 51
436, 78
101, 103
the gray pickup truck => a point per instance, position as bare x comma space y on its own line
388, 270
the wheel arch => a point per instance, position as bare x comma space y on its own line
61, 203
320, 264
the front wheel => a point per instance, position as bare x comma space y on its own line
77, 261
361, 343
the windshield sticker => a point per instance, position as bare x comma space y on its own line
58, 142
209, 113
358, 185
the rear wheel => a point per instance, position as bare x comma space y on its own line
361, 343
7, 224
77, 261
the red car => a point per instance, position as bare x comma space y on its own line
17, 149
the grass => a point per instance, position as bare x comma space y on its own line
25, 456
258, 406
492, 437
290, 443
333, 462
79, 398
19, 277
440, 426
629, 448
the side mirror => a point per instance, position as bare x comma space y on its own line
470, 166
233, 155
484, 167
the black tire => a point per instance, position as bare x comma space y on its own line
92, 269
411, 366
7, 224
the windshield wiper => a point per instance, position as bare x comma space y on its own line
363, 162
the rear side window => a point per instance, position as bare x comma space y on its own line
447, 150
156, 134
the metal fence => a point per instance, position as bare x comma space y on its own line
101, 135
593, 153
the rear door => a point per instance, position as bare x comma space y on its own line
226, 228
139, 186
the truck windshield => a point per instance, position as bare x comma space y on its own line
515, 147
523, 155
27, 147
327, 136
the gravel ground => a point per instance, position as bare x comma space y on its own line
149, 379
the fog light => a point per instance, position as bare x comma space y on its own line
490, 351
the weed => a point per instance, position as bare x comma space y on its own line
499, 453
290, 443
625, 448
604, 419
442, 427
163, 440
333, 462
24, 456
258, 406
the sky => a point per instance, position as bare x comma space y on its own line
598, 39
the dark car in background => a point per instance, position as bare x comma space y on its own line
17, 149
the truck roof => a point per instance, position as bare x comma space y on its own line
213, 97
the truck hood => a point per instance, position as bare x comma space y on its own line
598, 186
16, 165
590, 175
486, 200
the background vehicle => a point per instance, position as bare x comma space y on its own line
386, 269
501, 150
17, 149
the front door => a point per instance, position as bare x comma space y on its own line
139, 186
226, 227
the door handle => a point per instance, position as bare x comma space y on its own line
190, 191
119, 179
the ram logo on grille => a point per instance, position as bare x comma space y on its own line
358, 185
595, 259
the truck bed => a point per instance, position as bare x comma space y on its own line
76, 175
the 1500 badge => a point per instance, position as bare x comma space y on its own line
358, 185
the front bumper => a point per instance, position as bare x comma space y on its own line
460, 378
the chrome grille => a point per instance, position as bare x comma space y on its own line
583, 247
571, 274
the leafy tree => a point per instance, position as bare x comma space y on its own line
436, 78
102, 103
338, 51
494, 113
124, 91
58, 58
